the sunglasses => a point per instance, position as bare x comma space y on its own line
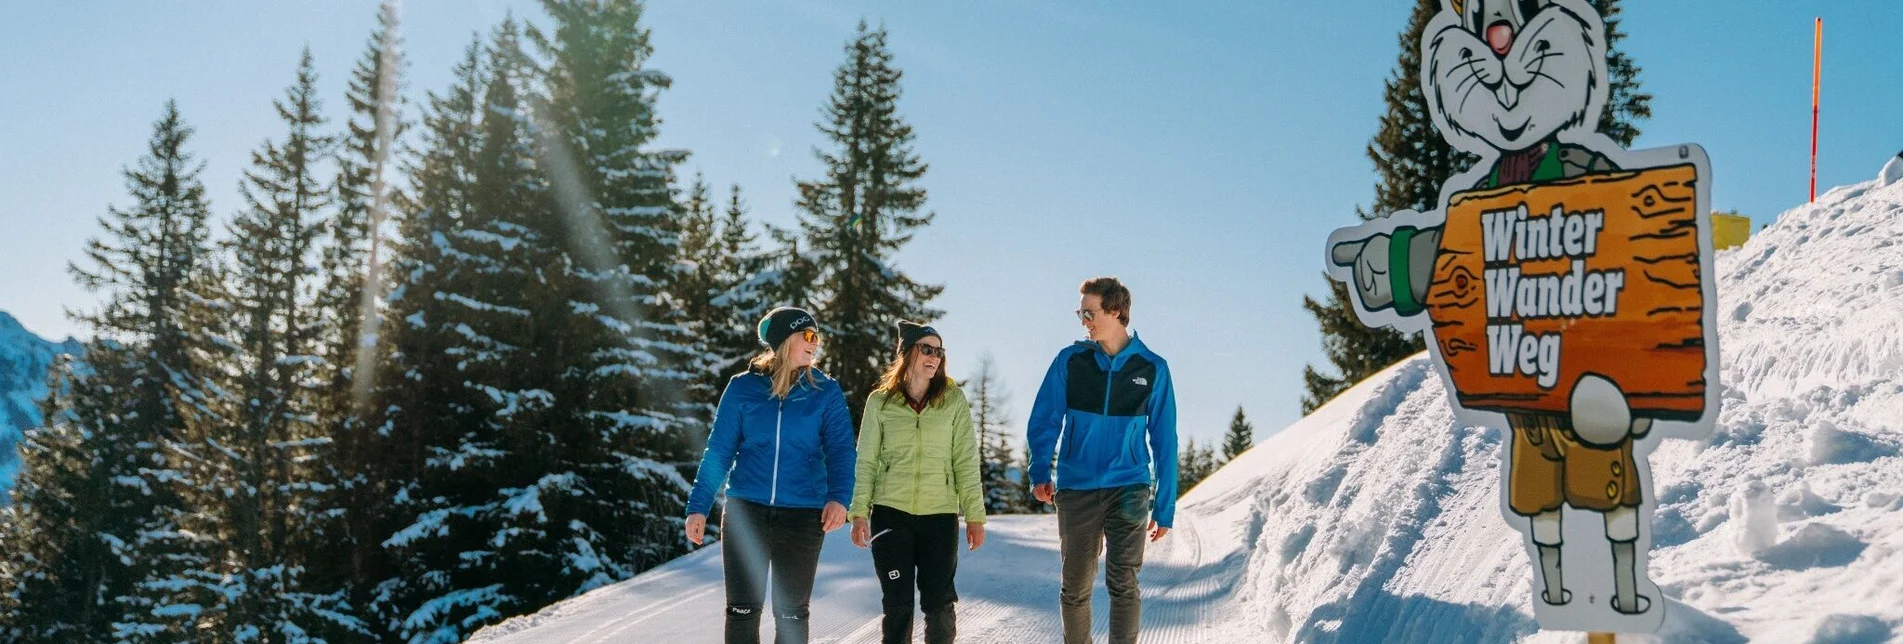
930, 351
1086, 315
811, 335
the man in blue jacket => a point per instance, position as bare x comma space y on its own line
1108, 412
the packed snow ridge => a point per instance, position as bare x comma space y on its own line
1377, 518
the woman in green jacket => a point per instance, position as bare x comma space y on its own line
917, 471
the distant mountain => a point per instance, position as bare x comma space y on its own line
24, 358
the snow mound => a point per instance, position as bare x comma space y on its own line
1851, 629
1812, 299
1377, 518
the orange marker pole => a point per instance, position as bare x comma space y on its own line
1816, 83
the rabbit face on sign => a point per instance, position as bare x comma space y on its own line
1505, 75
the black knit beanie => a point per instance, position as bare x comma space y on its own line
781, 323
911, 332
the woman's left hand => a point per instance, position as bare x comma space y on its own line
975, 534
832, 517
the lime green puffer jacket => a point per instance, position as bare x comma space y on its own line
919, 462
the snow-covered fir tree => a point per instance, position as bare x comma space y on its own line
1239, 439
753, 286
989, 418
347, 553
859, 213
471, 549
251, 480
729, 289
625, 340
424, 412
96, 508
1032, 505
1194, 464
699, 278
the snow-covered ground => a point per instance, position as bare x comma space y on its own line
1377, 518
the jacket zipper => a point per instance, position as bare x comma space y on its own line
774, 495
918, 456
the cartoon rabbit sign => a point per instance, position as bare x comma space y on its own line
1565, 290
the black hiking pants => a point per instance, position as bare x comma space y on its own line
916, 551
758, 539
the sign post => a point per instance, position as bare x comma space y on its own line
1816, 92
1564, 286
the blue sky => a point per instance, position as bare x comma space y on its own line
1201, 151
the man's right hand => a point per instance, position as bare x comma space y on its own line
697, 528
861, 532
1044, 492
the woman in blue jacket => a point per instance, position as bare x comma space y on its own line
782, 441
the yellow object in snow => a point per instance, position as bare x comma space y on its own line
1729, 231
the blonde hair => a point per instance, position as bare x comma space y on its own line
777, 366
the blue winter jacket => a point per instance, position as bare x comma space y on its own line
796, 452
1111, 422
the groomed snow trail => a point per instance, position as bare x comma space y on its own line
1008, 593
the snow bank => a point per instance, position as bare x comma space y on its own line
1377, 518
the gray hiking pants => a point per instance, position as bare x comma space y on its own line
1087, 522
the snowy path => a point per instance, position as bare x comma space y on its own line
1007, 589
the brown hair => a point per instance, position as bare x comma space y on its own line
777, 365
1116, 298
892, 383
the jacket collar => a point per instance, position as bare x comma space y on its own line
1113, 363
764, 382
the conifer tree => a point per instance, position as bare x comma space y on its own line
750, 284
474, 430
1626, 104
1411, 162
1194, 464
76, 510
698, 281
421, 406
252, 483
727, 292
348, 556
625, 344
1240, 438
989, 417
859, 214
94, 509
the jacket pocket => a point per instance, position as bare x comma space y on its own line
815, 482
1135, 445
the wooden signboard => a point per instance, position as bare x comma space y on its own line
1537, 284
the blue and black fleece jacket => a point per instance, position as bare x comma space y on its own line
1110, 420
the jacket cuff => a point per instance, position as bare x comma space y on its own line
1400, 282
